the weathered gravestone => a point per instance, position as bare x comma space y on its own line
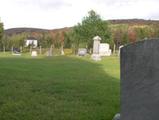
49, 53
104, 49
16, 51
140, 81
34, 53
82, 51
120, 49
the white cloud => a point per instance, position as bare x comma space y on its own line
61, 13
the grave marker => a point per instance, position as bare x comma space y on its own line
34, 53
104, 49
82, 51
96, 45
140, 81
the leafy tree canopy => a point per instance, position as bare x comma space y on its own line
91, 26
1, 29
1, 33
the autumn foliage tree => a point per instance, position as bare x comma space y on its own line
132, 36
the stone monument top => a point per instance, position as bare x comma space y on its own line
97, 38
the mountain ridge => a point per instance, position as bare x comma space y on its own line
19, 30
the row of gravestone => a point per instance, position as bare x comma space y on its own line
99, 49
35, 54
34, 44
140, 81
104, 50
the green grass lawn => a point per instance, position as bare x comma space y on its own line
58, 88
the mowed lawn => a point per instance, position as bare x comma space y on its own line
59, 88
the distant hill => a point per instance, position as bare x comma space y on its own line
32, 30
134, 21
22, 30
120, 21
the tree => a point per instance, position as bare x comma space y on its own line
91, 25
1, 33
132, 36
17, 40
45, 40
117, 36
67, 40
57, 42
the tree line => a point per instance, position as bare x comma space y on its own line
81, 34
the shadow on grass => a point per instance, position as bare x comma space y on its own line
56, 88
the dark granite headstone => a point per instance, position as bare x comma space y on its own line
140, 81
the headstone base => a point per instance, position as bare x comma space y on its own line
96, 57
16, 54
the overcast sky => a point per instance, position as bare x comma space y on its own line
50, 14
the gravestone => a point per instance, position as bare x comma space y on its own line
104, 49
140, 81
34, 53
117, 117
16, 51
120, 49
62, 51
96, 45
49, 53
82, 51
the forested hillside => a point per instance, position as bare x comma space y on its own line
122, 32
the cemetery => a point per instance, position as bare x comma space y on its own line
58, 87
64, 84
95, 70
48, 85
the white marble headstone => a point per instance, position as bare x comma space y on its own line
34, 53
104, 49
